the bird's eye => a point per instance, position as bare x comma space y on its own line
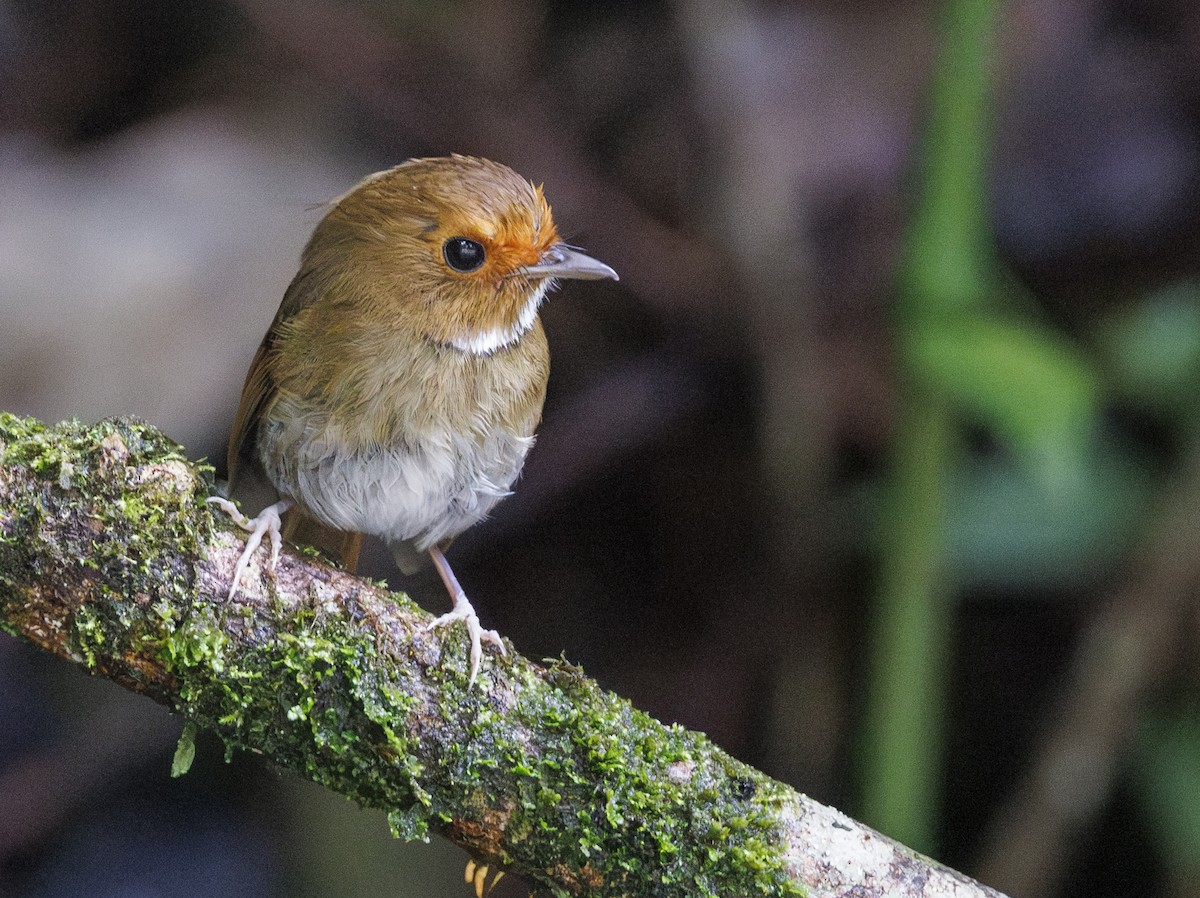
463, 255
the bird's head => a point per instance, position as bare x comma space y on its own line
459, 249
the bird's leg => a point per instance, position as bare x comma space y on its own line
462, 611
266, 523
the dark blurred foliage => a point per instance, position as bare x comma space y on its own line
1099, 156
697, 524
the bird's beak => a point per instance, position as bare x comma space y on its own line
561, 261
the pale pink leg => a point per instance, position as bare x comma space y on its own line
463, 611
266, 523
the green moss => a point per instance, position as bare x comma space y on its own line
122, 525
88, 638
130, 534
675, 815
315, 699
411, 824
23, 443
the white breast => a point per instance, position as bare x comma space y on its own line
428, 489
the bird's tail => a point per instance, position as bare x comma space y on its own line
303, 530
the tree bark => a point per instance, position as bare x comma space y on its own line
110, 558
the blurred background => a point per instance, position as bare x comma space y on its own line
880, 464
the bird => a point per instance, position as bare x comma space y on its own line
397, 391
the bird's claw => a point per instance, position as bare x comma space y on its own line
463, 611
267, 522
478, 874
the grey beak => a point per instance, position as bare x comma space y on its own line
561, 261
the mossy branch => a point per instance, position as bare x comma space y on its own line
110, 558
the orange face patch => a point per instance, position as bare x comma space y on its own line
514, 240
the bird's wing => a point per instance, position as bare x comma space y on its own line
256, 395
260, 385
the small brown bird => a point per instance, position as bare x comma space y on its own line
397, 391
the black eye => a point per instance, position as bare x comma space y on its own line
462, 254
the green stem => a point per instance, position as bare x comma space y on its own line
948, 262
948, 269
905, 709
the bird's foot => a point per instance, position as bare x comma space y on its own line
478, 874
463, 611
266, 523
